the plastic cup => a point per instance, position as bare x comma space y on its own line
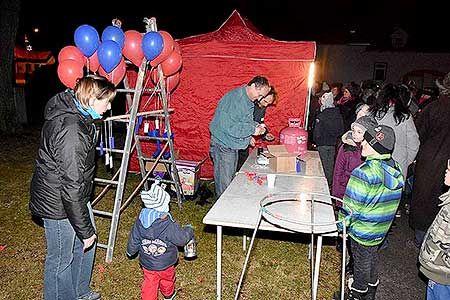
271, 180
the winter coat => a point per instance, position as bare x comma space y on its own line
372, 196
347, 159
62, 181
431, 162
406, 139
157, 240
435, 252
329, 126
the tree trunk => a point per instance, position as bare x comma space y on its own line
9, 21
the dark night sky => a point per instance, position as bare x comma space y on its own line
296, 20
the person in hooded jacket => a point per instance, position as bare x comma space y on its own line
62, 184
329, 126
156, 237
369, 205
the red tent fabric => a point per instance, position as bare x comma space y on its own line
216, 62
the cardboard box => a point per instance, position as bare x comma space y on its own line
280, 160
189, 174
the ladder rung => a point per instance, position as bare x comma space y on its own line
111, 150
154, 159
102, 212
146, 137
108, 181
104, 246
161, 180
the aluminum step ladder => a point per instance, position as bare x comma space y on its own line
133, 142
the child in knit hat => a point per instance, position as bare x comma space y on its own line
156, 237
369, 205
349, 154
347, 159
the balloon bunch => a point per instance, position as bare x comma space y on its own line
159, 47
107, 56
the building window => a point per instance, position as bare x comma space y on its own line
379, 71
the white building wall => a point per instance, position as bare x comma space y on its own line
346, 63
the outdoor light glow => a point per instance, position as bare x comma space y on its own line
36, 30
311, 75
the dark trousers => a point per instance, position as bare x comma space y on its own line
365, 268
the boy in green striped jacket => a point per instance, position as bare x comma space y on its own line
370, 202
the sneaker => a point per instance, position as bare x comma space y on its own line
90, 296
398, 214
171, 297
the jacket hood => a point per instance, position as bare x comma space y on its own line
392, 177
347, 139
149, 215
60, 104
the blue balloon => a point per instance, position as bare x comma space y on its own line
86, 39
152, 44
109, 55
114, 33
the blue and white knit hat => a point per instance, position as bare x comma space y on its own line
156, 197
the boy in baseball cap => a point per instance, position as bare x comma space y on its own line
370, 202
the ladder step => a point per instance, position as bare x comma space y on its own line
107, 181
111, 150
100, 245
145, 158
146, 137
161, 180
102, 212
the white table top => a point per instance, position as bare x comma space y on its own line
239, 205
312, 159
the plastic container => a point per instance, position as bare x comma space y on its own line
294, 137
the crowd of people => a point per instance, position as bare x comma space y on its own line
415, 122
371, 140
382, 148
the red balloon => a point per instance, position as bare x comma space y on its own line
69, 71
70, 52
172, 64
117, 74
154, 75
166, 51
92, 62
177, 47
132, 48
172, 82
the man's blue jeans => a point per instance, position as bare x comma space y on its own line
436, 291
68, 269
225, 162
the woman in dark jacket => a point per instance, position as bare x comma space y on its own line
62, 184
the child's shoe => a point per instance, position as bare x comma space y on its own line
171, 297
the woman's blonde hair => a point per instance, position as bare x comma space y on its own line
94, 86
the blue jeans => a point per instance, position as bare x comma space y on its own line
225, 162
437, 291
68, 269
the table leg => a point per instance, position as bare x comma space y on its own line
317, 267
219, 262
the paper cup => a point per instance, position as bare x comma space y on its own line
271, 180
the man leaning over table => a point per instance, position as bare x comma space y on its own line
232, 128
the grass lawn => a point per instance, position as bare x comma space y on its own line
278, 267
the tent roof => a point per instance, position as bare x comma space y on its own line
243, 39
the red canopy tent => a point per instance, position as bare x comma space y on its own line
216, 62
